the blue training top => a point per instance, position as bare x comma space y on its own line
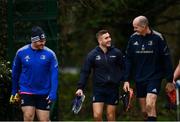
36, 72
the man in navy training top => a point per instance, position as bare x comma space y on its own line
148, 59
35, 77
106, 62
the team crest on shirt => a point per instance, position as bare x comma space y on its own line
98, 57
43, 57
142, 48
27, 58
150, 42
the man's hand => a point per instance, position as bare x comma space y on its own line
169, 87
79, 92
14, 98
126, 86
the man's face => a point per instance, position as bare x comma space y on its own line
105, 40
39, 44
138, 28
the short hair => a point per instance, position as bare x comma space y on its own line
143, 21
101, 32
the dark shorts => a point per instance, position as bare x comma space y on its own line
152, 86
38, 101
109, 96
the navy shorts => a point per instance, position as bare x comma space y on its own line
109, 96
38, 101
151, 86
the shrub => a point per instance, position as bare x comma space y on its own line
5, 91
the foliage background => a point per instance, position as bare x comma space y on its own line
78, 21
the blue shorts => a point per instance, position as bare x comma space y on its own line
109, 96
151, 86
37, 101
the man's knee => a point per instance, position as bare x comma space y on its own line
97, 116
110, 117
150, 107
28, 116
151, 101
28, 113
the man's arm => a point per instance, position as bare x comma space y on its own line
166, 58
54, 78
84, 74
177, 73
128, 66
16, 71
128, 61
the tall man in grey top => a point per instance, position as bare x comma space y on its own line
148, 61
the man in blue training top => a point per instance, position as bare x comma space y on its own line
148, 59
35, 77
106, 62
